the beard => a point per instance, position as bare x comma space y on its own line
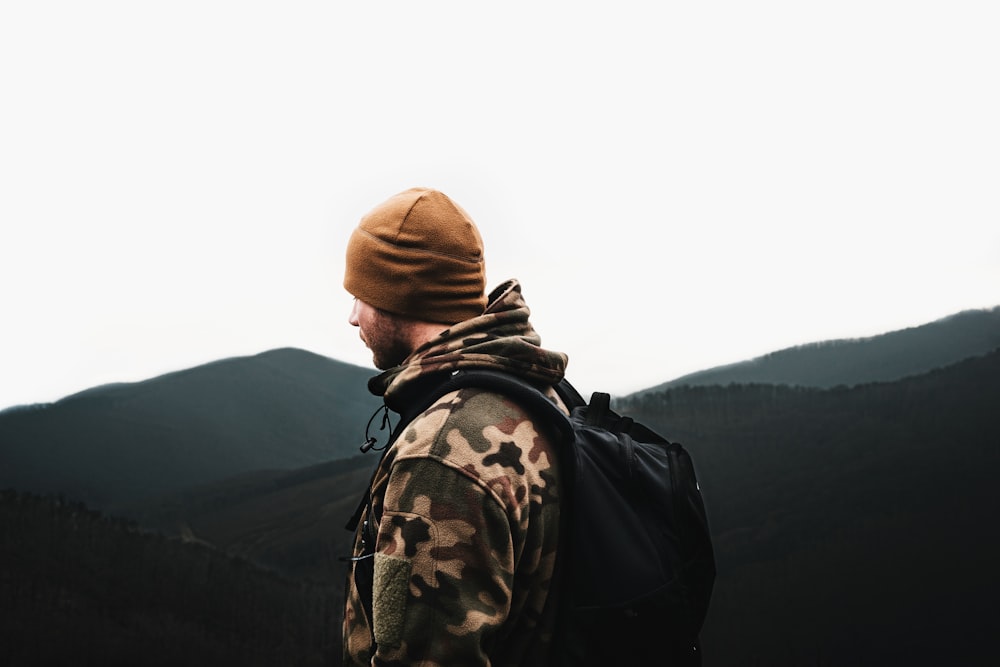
384, 337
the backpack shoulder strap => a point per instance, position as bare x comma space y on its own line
527, 395
569, 395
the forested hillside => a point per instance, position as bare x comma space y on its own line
77, 588
829, 509
852, 526
289, 521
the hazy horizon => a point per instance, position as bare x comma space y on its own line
585, 388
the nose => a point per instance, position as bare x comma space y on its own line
353, 317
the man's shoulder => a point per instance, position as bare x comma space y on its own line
479, 407
475, 427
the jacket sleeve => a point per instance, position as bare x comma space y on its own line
443, 567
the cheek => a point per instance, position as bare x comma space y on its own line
369, 325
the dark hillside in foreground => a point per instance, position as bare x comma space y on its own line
852, 526
77, 588
116, 444
882, 358
291, 522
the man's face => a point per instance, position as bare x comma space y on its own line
382, 333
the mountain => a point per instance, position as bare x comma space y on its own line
117, 444
889, 356
851, 525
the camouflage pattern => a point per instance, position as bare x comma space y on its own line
465, 503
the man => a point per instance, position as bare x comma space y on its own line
455, 553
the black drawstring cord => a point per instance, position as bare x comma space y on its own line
370, 440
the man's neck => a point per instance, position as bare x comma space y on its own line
420, 333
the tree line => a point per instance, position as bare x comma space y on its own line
78, 587
851, 525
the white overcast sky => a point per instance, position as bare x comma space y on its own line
677, 185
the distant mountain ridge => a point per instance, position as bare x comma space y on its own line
888, 356
280, 409
286, 408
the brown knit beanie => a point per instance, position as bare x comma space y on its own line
420, 255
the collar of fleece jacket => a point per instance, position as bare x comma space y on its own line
500, 339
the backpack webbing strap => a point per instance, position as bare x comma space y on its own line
599, 408
519, 390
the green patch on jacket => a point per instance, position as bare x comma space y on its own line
392, 580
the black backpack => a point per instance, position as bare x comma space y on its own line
638, 565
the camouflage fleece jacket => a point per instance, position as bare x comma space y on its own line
464, 509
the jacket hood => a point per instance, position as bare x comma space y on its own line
500, 339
